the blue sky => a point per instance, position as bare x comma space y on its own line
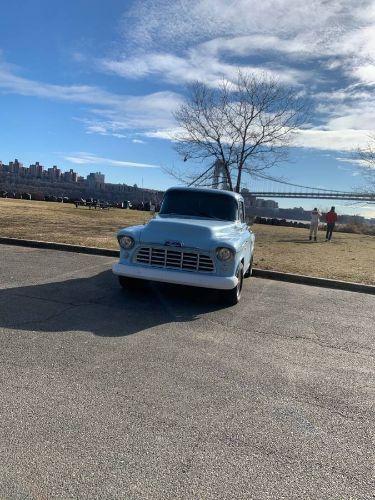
92, 85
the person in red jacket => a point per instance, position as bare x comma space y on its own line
331, 218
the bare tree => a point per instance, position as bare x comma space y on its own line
246, 125
366, 156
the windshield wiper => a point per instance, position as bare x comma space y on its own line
191, 213
174, 214
204, 214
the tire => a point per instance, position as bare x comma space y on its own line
249, 271
129, 283
232, 297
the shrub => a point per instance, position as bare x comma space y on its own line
357, 228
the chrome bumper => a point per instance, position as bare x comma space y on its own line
177, 277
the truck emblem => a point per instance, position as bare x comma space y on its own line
173, 244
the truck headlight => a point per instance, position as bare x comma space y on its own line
125, 242
224, 254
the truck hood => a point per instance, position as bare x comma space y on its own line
193, 233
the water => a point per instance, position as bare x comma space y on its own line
297, 220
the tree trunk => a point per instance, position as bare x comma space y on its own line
239, 175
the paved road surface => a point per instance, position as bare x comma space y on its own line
164, 394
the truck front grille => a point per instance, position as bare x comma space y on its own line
174, 259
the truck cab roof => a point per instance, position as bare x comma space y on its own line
232, 194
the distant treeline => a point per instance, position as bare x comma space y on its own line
85, 202
352, 227
273, 221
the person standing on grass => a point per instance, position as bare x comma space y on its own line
331, 218
314, 223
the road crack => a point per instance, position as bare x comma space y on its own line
290, 337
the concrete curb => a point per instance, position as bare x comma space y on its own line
314, 281
259, 273
59, 246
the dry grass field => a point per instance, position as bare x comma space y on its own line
349, 257
64, 223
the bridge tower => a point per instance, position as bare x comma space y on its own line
219, 178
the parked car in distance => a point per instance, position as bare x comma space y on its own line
199, 238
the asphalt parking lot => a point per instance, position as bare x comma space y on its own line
163, 393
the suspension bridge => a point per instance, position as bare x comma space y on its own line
266, 186
327, 195
364, 197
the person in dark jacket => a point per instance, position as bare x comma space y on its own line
331, 218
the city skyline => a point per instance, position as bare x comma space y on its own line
42, 172
99, 88
54, 176
38, 182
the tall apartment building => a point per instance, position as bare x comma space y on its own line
15, 167
54, 174
70, 176
96, 180
35, 170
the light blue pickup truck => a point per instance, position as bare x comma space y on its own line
199, 238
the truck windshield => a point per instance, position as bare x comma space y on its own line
200, 204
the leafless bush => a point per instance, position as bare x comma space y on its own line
357, 228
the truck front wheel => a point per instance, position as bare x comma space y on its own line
249, 271
232, 297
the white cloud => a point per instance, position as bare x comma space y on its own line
173, 39
138, 141
335, 140
204, 39
354, 161
91, 159
167, 133
357, 162
311, 138
85, 94
365, 72
251, 44
140, 113
101, 129
208, 39
346, 116
111, 114
11, 82
166, 22
196, 64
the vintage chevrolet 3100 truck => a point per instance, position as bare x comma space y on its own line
199, 238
